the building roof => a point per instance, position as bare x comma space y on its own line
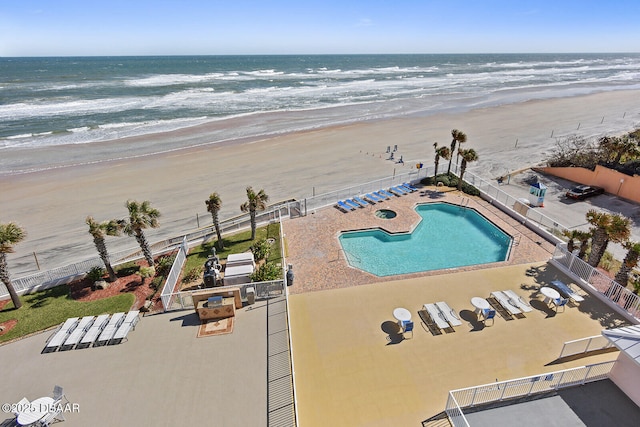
627, 339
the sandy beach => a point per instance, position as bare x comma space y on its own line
52, 205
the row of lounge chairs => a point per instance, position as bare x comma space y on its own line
92, 331
364, 200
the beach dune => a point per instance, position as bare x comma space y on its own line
52, 205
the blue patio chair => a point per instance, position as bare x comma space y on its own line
360, 201
411, 187
408, 327
344, 206
351, 203
373, 197
560, 302
385, 193
488, 314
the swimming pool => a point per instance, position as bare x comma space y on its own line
448, 236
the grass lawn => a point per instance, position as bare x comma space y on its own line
44, 309
236, 244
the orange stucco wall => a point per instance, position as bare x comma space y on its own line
625, 186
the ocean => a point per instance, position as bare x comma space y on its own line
60, 111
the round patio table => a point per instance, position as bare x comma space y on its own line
402, 314
480, 304
550, 294
36, 411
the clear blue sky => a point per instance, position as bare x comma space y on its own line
168, 27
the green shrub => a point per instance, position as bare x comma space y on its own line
95, 274
427, 181
470, 189
163, 265
193, 274
157, 282
267, 271
127, 269
261, 249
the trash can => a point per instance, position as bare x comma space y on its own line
251, 295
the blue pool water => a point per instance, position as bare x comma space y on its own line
448, 236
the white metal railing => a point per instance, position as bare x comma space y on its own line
183, 300
67, 273
174, 273
585, 345
521, 387
330, 198
606, 287
497, 195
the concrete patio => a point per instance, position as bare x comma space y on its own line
163, 375
353, 369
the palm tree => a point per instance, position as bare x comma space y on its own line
468, 156
577, 236
443, 152
99, 230
629, 263
141, 216
10, 234
583, 237
458, 137
214, 203
571, 235
255, 202
606, 228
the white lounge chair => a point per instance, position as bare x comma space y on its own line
130, 322
436, 316
566, 291
24, 403
74, 337
518, 301
504, 301
109, 331
93, 332
61, 334
449, 314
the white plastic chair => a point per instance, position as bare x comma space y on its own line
58, 395
24, 402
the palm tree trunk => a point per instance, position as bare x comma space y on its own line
463, 168
4, 277
216, 224
584, 244
435, 172
146, 251
598, 246
630, 260
252, 215
104, 256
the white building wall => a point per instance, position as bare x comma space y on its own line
626, 375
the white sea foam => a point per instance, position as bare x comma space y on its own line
146, 100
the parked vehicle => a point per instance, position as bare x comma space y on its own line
581, 192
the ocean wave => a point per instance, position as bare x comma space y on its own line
137, 99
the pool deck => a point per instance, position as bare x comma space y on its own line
352, 368
319, 262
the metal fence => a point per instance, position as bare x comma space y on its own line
585, 345
608, 289
327, 199
521, 387
174, 273
497, 195
68, 273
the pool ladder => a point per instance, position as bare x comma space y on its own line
464, 203
347, 258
